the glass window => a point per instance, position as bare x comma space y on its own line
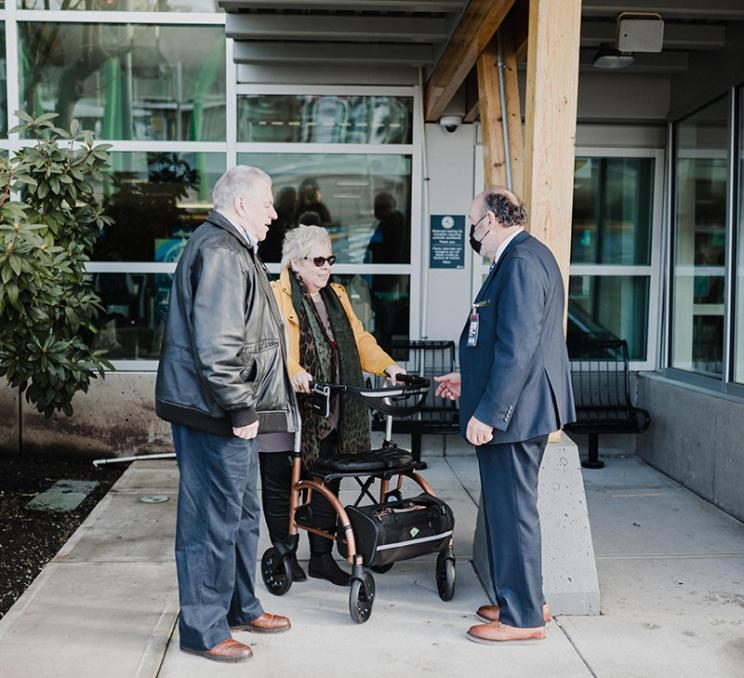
739, 289
127, 81
122, 5
133, 320
364, 201
605, 307
612, 226
336, 119
699, 240
382, 303
612, 211
156, 201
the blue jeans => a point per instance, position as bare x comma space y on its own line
216, 535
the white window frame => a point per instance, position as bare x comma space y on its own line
651, 270
412, 269
11, 16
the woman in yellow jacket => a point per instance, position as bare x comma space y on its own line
326, 343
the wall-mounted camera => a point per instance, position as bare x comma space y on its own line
450, 123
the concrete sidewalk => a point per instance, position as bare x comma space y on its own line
671, 571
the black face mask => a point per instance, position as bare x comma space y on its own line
474, 242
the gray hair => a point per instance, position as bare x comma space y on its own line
238, 180
299, 242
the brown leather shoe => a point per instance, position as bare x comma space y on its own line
266, 623
496, 632
490, 613
229, 651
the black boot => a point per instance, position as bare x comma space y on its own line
298, 574
323, 566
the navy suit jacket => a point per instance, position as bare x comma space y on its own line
517, 378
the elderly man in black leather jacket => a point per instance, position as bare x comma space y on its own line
222, 376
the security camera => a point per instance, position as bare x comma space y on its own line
450, 123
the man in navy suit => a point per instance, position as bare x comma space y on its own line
514, 389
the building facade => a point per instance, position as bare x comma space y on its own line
656, 252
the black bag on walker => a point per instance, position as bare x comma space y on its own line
399, 530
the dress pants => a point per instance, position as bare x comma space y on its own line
508, 474
216, 535
276, 483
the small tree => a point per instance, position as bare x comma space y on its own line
47, 304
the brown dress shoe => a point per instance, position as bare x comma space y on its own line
495, 632
230, 651
490, 613
266, 623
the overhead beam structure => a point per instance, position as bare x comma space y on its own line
676, 36
398, 6
266, 52
336, 28
477, 25
710, 10
501, 126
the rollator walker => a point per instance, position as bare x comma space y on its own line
370, 536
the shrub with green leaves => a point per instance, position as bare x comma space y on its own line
49, 222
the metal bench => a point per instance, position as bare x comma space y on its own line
601, 384
427, 358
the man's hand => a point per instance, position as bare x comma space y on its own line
301, 382
393, 370
246, 432
449, 385
478, 433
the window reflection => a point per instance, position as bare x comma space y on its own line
336, 119
608, 307
382, 303
363, 200
612, 211
700, 240
127, 81
123, 5
156, 201
135, 307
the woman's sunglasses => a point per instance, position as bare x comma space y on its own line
319, 261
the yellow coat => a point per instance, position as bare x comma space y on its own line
372, 357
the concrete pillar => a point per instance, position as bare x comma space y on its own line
570, 580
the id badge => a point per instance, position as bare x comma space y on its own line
474, 322
473, 329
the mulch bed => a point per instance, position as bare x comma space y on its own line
30, 539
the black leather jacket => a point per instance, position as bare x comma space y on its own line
223, 360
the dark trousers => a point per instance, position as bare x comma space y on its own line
216, 535
509, 485
276, 483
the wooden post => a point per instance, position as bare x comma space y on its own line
550, 131
491, 115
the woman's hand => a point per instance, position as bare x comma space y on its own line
301, 382
393, 370
449, 386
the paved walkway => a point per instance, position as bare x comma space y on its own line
671, 570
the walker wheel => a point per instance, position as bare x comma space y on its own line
276, 572
446, 574
361, 598
382, 569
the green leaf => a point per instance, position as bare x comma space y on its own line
15, 264
12, 291
6, 273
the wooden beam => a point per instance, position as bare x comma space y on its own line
473, 32
550, 133
489, 102
471, 96
491, 114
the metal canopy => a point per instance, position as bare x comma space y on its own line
415, 33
